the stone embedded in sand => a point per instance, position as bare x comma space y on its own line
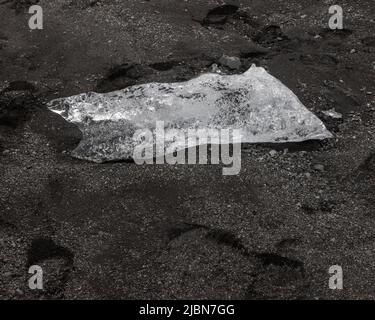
219, 15
230, 62
256, 103
332, 113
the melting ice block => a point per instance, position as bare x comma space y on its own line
256, 103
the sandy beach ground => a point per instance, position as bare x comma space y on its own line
124, 231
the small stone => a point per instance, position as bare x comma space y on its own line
308, 175
215, 68
332, 113
319, 167
19, 292
353, 51
230, 62
6, 152
304, 16
273, 153
318, 36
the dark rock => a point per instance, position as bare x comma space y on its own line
230, 62
16, 108
319, 167
122, 76
43, 249
219, 15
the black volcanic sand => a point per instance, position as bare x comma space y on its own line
120, 230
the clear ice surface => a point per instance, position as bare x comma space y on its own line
255, 102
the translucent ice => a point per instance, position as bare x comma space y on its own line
255, 102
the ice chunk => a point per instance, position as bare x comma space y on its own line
256, 103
